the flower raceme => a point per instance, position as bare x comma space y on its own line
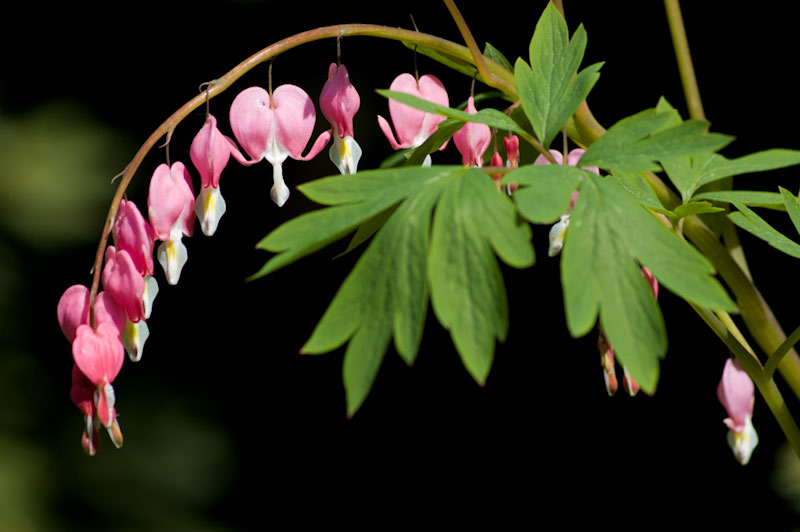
210, 152
737, 394
472, 139
170, 205
274, 127
339, 103
413, 126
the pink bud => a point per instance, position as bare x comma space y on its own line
133, 234
511, 144
124, 282
496, 162
73, 310
339, 100
413, 126
572, 159
651, 280
472, 139
737, 394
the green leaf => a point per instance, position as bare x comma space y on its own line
690, 175
385, 294
312, 231
753, 223
546, 190
490, 52
490, 117
753, 198
695, 207
366, 230
549, 90
609, 234
636, 142
792, 207
635, 184
467, 290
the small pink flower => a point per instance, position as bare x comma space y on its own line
171, 209
210, 152
133, 234
607, 362
413, 126
276, 128
737, 394
99, 355
472, 139
511, 144
496, 162
339, 103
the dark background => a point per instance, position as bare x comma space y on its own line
226, 426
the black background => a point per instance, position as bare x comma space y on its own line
222, 399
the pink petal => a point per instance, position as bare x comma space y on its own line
107, 310
124, 282
339, 100
387, 131
472, 139
541, 159
295, 117
133, 234
171, 200
319, 144
252, 121
98, 354
736, 393
210, 152
408, 122
432, 90
511, 144
73, 310
82, 392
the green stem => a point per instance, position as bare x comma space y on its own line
775, 358
494, 73
681, 44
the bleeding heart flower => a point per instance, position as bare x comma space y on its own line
274, 128
472, 139
210, 152
413, 126
171, 209
99, 355
339, 103
737, 394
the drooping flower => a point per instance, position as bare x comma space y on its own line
274, 128
472, 139
210, 153
413, 126
134, 235
73, 310
339, 102
496, 162
511, 144
128, 288
170, 205
559, 230
98, 354
737, 394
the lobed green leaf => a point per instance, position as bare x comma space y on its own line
753, 198
549, 90
754, 224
